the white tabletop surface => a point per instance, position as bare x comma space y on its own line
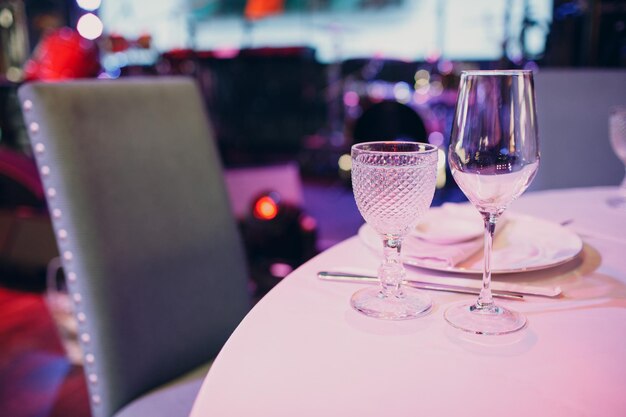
303, 351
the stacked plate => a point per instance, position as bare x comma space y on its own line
450, 238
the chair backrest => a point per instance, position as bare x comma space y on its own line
148, 242
573, 116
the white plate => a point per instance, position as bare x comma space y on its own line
525, 244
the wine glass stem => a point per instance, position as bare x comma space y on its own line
485, 299
391, 272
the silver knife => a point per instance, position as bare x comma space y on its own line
347, 277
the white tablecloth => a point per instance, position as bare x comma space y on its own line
303, 351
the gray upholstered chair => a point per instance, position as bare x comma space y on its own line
149, 245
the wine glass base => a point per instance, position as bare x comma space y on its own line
492, 320
617, 202
372, 302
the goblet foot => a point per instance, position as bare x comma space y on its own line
619, 199
617, 202
410, 304
490, 320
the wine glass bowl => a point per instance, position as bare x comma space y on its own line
393, 184
493, 157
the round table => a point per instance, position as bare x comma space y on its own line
303, 351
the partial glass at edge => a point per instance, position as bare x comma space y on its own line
493, 156
617, 136
393, 184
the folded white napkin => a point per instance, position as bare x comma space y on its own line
446, 236
450, 223
437, 255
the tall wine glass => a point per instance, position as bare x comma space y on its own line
393, 184
617, 136
493, 156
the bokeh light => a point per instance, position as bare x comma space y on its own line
345, 162
265, 208
89, 26
89, 5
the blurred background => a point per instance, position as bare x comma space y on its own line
289, 86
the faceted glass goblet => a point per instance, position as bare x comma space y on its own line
393, 184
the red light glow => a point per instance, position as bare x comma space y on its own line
63, 54
265, 208
258, 9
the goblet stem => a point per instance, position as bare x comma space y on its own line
485, 299
391, 273
391, 301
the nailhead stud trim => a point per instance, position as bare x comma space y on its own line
63, 235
